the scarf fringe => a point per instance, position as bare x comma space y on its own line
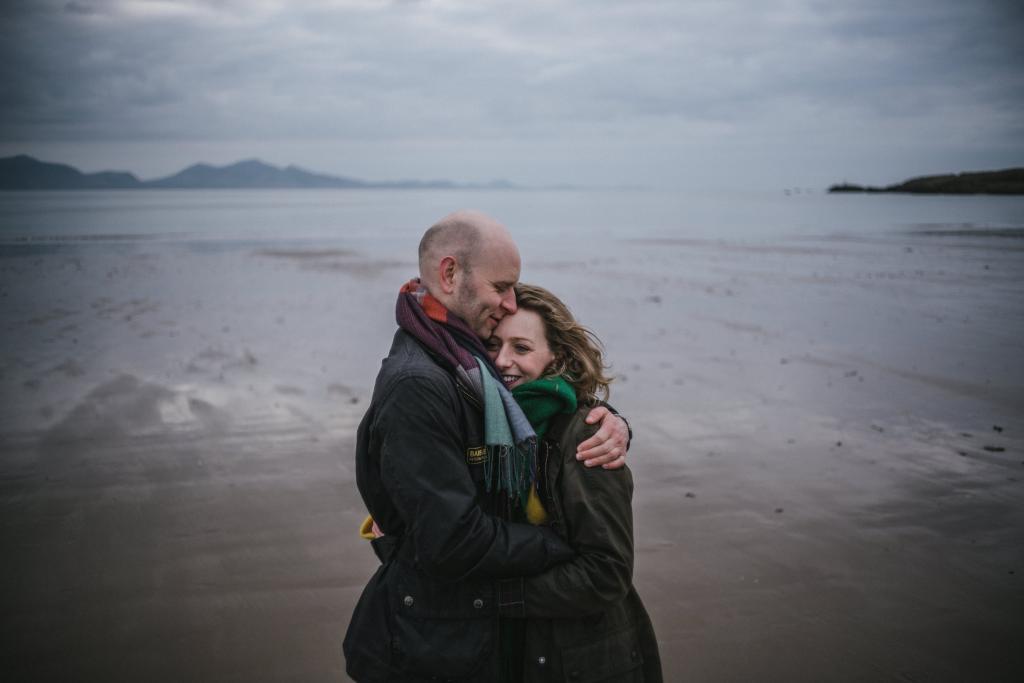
512, 470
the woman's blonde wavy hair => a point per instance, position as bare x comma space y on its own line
579, 354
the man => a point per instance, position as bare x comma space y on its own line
443, 455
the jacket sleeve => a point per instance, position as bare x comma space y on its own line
597, 520
423, 469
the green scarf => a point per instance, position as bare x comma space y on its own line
544, 398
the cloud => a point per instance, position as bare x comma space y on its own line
531, 71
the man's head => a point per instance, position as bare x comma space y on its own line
469, 263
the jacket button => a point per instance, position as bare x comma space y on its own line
633, 654
408, 601
478, 603
541, 661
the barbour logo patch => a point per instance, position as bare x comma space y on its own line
475, 456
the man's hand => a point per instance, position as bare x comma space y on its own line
608, 446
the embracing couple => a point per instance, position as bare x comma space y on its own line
495, 479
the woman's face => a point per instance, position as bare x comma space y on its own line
519, 348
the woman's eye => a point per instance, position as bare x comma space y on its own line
520, 348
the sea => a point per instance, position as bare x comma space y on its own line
375, 217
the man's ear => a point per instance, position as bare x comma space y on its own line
449, 272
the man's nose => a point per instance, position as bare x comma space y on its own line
508, 302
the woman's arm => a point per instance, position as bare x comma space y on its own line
596, 519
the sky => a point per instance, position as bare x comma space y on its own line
697, 94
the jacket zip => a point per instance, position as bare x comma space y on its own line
549, 486
469, 395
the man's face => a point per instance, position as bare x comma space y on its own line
486, 295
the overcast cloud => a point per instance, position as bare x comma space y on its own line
771, 93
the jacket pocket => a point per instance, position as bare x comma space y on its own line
614, 657
441, 629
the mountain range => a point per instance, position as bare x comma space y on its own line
23, 172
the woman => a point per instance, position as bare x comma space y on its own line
584, 620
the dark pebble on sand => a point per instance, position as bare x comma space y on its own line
354, 400
691, 494
997, 428
654, 299
994, 449
961, 453
779, 510
839, 443
967, 434
877, 428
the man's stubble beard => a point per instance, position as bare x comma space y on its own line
470, 310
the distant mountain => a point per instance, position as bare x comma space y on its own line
25, 173
251, 173
1007, 181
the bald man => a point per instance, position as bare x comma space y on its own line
436, 479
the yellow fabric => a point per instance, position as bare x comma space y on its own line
535, 512
366, 529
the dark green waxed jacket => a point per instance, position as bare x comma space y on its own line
585, 621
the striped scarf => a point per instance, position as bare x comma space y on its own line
511, 443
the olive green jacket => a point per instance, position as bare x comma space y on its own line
585, 621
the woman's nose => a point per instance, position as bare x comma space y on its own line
502, 361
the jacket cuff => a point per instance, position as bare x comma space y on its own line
629, 430
511, 601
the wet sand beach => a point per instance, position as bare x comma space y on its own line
828, 452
